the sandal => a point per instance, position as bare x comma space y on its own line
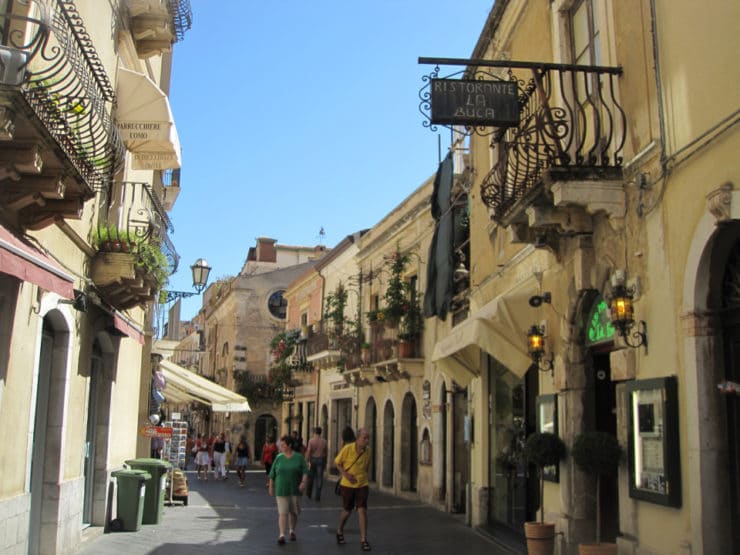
281, 540
340, 538
365, 546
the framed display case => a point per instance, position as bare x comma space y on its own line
653, 450
547, 421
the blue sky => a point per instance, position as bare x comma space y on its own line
297, 115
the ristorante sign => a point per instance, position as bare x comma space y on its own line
473, 102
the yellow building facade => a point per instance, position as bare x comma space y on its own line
618, 181
74, 349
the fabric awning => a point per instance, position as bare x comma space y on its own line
144, 119
127, 328
25, 262
184, 386
499, 328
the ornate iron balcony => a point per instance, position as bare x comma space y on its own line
58, 72
571, 123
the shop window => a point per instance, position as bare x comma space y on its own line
547, 421
653, 451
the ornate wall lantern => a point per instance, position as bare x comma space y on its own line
622, 317
536, 347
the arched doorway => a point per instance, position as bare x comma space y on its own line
730, 311
371, 424
266, 426
48, 434
600, 410
439, 443
388, 444
409, 439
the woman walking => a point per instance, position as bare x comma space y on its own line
242, 459
202, 459
269, 452
288, 477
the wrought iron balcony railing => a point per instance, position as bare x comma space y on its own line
48, 56
571, 121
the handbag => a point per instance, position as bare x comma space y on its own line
337, 487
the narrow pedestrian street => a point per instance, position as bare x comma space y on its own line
222, 518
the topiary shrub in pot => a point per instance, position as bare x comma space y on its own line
542, 449
597, 454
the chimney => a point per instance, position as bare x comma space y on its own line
266, 249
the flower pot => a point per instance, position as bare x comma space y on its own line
603, 548
540, 537
406, 348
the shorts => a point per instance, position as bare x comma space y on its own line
288, 504
354, 497
242, 461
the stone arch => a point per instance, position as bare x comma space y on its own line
703, 353
46, 445
371, 425
409, 441
389, 443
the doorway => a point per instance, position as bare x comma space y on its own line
371, 425
90, 443
409, 439
388, 444
266, 426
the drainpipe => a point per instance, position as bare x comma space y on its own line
658, 83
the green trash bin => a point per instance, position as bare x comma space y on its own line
155, 487
130, 498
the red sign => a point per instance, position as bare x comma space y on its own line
155, 431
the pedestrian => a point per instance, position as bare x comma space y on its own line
316, 453
219, 457
269, 451
298, 443
202, 459
189, 449
288, 477
229, 451
242, 459
352, 462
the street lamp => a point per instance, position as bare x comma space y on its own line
200, 270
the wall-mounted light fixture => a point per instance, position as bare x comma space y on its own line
79, 302
536, 347
622, 316
200, 271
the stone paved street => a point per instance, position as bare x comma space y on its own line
222, 518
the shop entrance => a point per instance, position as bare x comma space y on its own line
265, 427
513, 498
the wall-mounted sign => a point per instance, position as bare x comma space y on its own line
155, 431
473, 102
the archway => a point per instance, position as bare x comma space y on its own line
388, 444
48, 432
266, 426
409, 439
371, 424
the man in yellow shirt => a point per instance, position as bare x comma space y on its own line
352, 462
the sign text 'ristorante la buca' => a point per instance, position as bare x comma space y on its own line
473, 102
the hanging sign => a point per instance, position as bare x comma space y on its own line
155, 431
473, 102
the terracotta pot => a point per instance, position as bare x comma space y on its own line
603, 548
540, 538
406, 348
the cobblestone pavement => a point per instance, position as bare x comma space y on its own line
222, 518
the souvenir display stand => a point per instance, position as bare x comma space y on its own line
174, 451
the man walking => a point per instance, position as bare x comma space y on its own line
352, 462
316, 456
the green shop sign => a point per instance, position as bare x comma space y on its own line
600, 327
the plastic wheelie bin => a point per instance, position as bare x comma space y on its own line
130, 499
155, 487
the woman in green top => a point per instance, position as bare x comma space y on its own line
288, 477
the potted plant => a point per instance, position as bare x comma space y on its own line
542, 449
365, 353
597, 454
334, 308
412, 325
395, 299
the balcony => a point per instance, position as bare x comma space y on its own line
563, 162
59, 143
134, 253
322, 348
157, 24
